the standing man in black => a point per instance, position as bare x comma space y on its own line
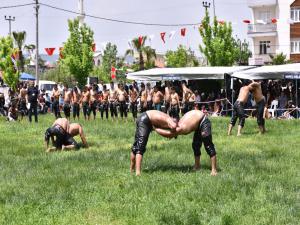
32, 101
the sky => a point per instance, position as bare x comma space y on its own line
53, 27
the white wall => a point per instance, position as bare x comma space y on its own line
283, 26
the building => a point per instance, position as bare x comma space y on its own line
274, 29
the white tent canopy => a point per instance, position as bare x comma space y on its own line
270, 72
186, 73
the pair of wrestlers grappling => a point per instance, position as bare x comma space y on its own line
150, 120
193, 121
62, 135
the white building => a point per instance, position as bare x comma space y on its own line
274, 29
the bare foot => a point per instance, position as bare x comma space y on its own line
238, 135
196, 168
213, 173
138, 173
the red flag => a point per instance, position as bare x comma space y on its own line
162, 36
274, 20
246, 21
94, 47
182, 32
60, 52
141, 39
50, 51
113, 72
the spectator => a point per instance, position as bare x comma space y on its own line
32, 101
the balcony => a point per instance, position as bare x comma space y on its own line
257, 30
259, 3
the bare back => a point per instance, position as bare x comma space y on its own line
63, 123
74, 129
161, 120
189, 122
256, 91
243, 95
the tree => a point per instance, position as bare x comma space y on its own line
19, 39
182, 57
243, 52
59, 74
9, 69
77, 51
150, 54
279, 59
218, 44
138, 47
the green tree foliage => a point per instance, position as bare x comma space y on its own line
143, 52
59, 74
218, 44
19, 39
77, 51
243, 53
109, 59
182, 57
10, 73
279, 59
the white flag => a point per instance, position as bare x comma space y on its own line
171, 35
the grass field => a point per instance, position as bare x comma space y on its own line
258, 180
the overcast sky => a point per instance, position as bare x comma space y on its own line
54, 30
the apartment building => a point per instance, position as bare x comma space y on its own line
274, 29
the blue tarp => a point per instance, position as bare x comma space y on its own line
26, 76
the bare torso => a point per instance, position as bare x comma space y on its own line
243, 95
189, 122
256, 91
86, 96
105, 96
67, 96
63, 123
167, 94
75, 97
161, 120
157, 97
174, 99
23, 93
133, 95
74, 129
56, 94
149, 95
94, 95
112, 95
144, 96
122, 95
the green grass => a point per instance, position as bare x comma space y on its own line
258, 180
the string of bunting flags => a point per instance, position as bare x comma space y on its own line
170, 35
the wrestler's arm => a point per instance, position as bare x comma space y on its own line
82, 136
165, 133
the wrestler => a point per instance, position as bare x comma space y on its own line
144, 124
238, 109
104, 102
167, 96
59, 131
191, 102
157, 98
186, 94
255, 88
74, 130
122, 97
76, 103
149, 92
94, 100
55, 104
85, 102
143, 98
196, 121
113, 101
67, 102
133, 96
22, 101
174, 106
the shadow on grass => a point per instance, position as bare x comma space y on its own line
176, 168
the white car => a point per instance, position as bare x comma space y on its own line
46, 85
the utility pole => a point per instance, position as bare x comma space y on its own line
81, 12
206, 5
214, 6
9, 19
37, 6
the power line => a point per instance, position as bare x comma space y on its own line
16, 6
120, 21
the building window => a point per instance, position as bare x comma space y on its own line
295, 47
295, 14
265, 16
264, 47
